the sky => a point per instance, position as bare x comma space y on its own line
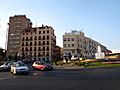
98, 19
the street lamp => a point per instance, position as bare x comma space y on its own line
18, 56
4, 54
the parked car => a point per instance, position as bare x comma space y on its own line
42, 65
19, 67
6, 66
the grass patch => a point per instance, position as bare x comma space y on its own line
100, 64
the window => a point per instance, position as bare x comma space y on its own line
68, 45
30, 43
64, 45
47, 31
26, 49
35, 54
26, 38
23, 44
35, 32
47, 36
43, 42
30, 54
30, 38
72, 39
39, 38
23, 39
39, 54
22, 49
26, 43
39, 32
47, 48
43, 53
34, 59
39, 49
39, 43
68, 39
81, 46
80, 40
30, 48
47, 42
43, 48
34, 48
47, 53
72, 45
35, 43
64, 39
43, 37
43, 32
35, 38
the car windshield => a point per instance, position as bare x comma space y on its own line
6, 63
19, 64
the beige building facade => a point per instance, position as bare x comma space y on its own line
77, 44
38, 43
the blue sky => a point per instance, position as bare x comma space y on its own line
98, 19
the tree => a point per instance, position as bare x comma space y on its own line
10, 57
2, 53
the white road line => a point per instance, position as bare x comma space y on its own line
4, 74
5, 78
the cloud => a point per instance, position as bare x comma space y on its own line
3, 31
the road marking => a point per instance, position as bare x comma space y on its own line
4, 78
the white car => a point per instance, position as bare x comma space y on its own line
19, 67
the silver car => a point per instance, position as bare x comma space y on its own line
6, 66
19, 67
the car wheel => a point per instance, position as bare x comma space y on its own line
42, 69
27, 73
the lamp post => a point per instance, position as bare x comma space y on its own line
18, 56
4, 54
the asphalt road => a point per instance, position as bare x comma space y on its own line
61, 79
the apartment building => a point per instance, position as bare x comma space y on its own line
38, 43
16, 25
76, 43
